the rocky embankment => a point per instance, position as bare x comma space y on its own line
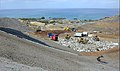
90, 46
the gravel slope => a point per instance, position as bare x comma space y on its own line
19, 54
34, 55
14, 24
9, 65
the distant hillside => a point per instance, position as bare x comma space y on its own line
13, 23
111, 19
110, 25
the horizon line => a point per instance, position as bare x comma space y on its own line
55, 8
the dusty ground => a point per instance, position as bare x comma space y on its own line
45, 33
34, 55
19, 54
98, 53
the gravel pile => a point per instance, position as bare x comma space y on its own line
91, 45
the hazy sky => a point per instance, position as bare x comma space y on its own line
24, 4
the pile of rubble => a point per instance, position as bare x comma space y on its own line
90, 46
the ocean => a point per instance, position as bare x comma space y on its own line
84, 13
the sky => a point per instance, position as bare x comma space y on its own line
34, 4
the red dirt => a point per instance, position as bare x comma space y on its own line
44, 33
98, 53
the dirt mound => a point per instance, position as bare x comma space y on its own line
98, 53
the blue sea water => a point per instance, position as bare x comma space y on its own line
84, 13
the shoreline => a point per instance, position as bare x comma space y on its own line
70, 14
60, 18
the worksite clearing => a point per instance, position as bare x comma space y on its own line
59, 47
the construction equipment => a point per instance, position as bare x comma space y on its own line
73, 29
83, 40
78, 35
50, 35
67, 28
85, 33
67, 37
55, 37
96, 38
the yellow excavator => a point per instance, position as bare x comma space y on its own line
67, 28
